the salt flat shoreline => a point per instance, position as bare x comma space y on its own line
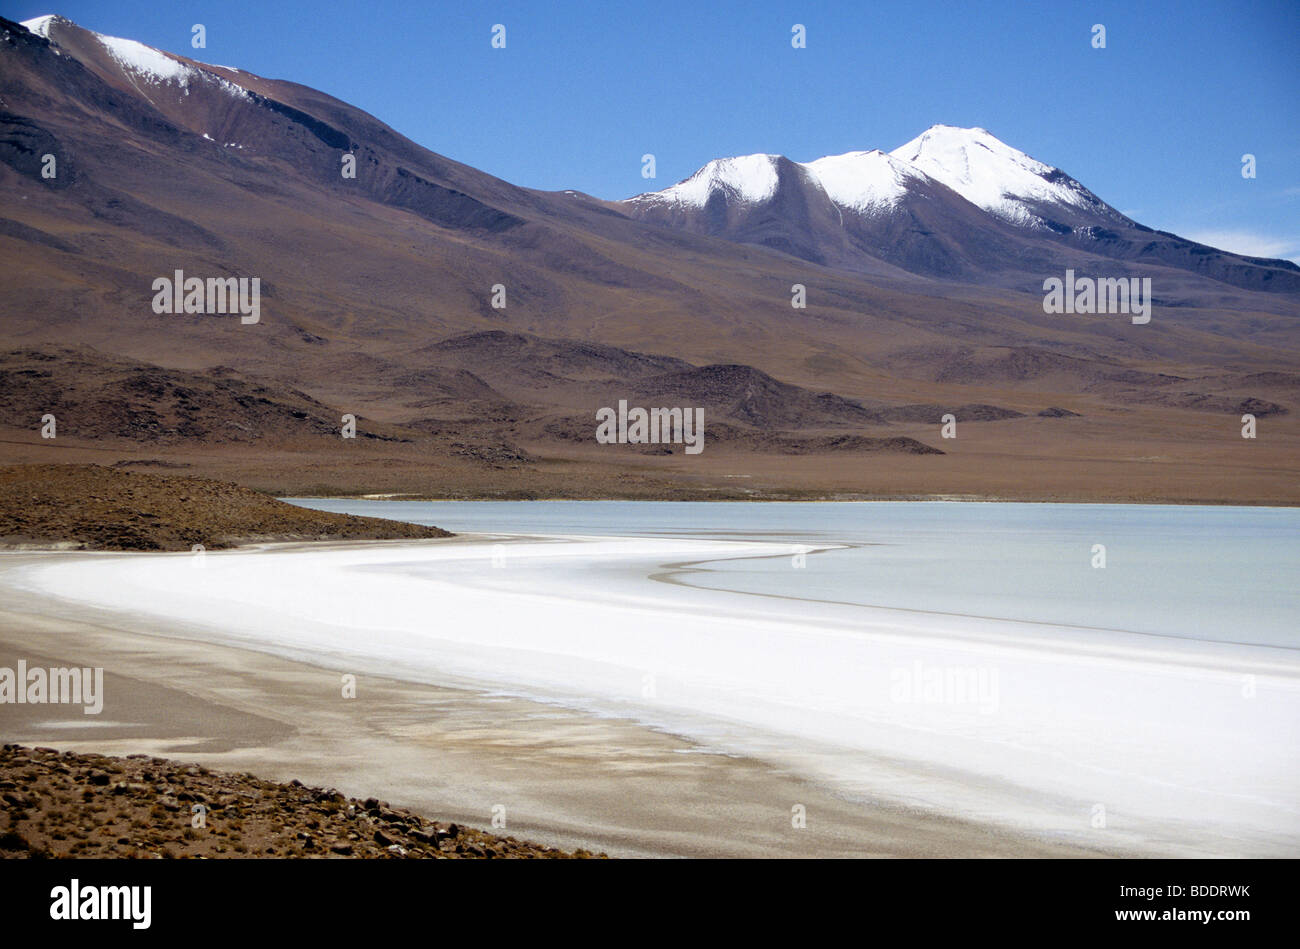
593, 777
568, 779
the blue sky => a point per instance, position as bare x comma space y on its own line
1155, 123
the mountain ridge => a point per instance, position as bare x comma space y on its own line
994, 177
968, 170
378, 300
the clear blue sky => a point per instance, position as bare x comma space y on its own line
1156, 123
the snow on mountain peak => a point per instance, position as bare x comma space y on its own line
139, 61
991, 174
41, 25
146, 61
132, 56
752, 178
863, 181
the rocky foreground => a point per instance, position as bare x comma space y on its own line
91, 507
63, 804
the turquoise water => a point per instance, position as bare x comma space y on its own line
1223, 574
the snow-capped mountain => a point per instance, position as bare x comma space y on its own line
167, 164
1002, 180
137, 62
858, 181
954, 202
41, 25
150, 142
988, 173
192, 95
852, 210
757, 199
142, 61
750, 178
865, 181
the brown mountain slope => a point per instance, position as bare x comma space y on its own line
365, 281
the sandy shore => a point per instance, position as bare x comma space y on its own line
565, 778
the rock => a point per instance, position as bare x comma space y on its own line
302, 823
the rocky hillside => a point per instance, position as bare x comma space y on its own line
98, 508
